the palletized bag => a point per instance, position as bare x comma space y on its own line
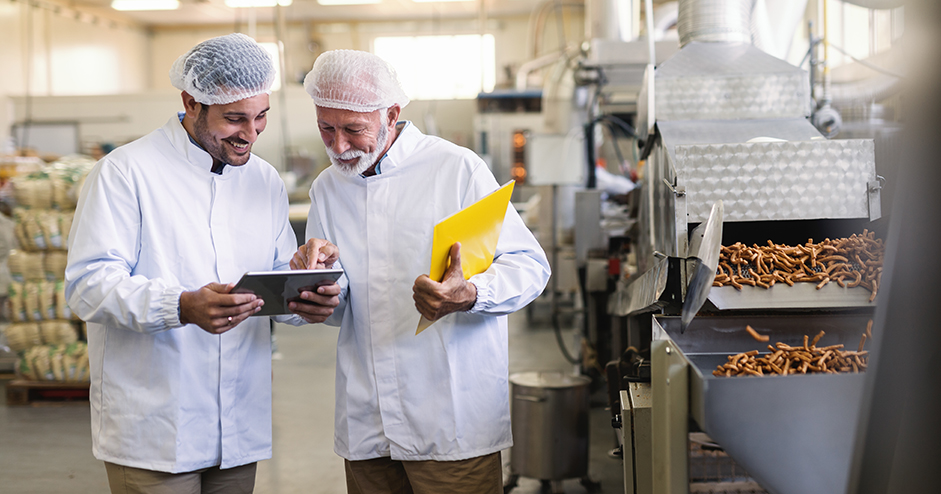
15, 296
21, 216
33, 190
65, 225
31, 301
34, 231
47, 299
42, 364
16, 261
55, 357
71, 358
25, 370
49, 224
58, 332
22, 336
34, 266
62, 307
54, 263
83, 373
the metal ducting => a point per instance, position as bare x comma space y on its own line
714, 20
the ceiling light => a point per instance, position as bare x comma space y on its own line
145, 4
237, 4
432, 1
347, 2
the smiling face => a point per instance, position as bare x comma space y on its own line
355, 141
227, 132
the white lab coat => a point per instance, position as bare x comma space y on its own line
441, 395
151, 222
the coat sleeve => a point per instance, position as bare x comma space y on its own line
520, 270
104, 247
316, 229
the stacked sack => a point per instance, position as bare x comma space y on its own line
45, 203
68, 363
44, 330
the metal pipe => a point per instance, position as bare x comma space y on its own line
538, 19
826, 57
651, 42
714, 21
522, 74
282, 98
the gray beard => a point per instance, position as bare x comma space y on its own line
365, 161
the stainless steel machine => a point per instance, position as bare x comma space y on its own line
727, 122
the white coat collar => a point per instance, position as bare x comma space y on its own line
180, 140
402, 147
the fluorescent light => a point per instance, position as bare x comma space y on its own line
237, 4
433, 1
347, 2
145, 4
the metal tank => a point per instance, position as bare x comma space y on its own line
550, 425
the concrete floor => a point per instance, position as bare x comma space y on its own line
48, 449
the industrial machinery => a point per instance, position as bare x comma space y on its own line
725, 123
721, 134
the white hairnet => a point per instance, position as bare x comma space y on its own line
354, 80
223, 70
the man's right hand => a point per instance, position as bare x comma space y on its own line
317, 253
215, 310
317, 306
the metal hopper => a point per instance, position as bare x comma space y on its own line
791, 433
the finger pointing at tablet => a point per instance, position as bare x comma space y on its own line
315, 254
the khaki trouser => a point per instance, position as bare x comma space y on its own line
481, 475
129, 480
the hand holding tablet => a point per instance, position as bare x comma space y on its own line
279, 288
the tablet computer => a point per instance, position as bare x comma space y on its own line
277, 288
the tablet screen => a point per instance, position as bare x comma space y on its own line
278, 288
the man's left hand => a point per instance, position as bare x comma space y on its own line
454, 294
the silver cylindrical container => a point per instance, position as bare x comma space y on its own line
714, 20
550, 425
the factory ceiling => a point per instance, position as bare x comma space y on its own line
195, 12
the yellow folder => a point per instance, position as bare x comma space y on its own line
477, 227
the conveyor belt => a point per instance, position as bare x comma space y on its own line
781, 296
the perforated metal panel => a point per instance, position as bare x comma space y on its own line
777, 180
729, 81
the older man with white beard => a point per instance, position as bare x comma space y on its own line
354, 161
425, 413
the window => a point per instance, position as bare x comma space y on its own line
274, 50
85, 69
860, 32
441, 67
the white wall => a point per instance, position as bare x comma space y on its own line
304, 42
118, 119
135, 64
53, 54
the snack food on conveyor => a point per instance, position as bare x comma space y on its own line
850, 262
807, 359
754, 334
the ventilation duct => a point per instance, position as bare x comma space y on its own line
714, 20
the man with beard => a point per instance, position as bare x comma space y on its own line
180, 376
425, 413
